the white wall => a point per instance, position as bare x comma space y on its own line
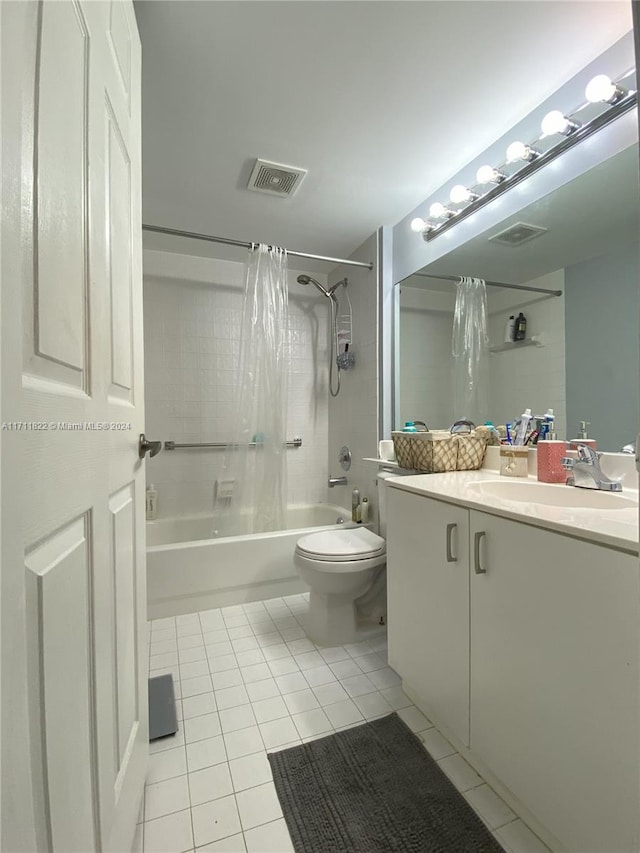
353, 414
192, 312
426, 365
602, 347
530, 376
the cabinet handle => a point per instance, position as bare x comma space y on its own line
450, 557
476, 552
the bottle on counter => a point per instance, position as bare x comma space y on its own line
583, 437
364, 511
355, 505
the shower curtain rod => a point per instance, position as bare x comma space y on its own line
457, 278
158, 229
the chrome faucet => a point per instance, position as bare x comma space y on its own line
337, 481
586, 472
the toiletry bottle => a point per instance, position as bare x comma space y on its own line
510, 329
494, 435
522, 427
583, 437
152, 502
364, 511
409, 427
550, 454
355, 505
521, 327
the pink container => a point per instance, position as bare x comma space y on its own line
550, 455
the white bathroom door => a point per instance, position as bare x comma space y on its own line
73, 488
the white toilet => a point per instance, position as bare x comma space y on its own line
340, 566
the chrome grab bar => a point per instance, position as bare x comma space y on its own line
171, 445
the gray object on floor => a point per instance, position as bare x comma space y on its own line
162, 707
374, 789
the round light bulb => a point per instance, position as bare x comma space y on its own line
601, 89
459, 194
418, 224
487, 175
555, 122
437, 210
517, 151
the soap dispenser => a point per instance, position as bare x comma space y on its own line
550, 452
583, 437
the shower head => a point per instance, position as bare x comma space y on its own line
306, 279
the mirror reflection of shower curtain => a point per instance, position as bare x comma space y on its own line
256, 476
469, 346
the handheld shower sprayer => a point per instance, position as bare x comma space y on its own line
341, 360
306, 279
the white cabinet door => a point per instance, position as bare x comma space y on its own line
74, 677
554, 680
428, 604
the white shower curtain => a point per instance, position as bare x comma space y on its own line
256, 476
469, 345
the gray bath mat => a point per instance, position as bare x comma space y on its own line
374, 789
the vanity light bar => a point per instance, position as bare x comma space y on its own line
493, 182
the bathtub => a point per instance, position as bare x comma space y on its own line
187, 570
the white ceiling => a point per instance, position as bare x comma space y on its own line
381, 101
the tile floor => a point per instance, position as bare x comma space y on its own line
248, 682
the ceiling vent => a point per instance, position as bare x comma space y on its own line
516, 235
275, 178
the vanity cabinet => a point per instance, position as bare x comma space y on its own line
552, 631
428, 601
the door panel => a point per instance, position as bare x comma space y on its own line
119, 258
58, 583
80, 484
428, 582
554, 680
61, 227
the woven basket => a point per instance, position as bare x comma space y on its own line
435, 453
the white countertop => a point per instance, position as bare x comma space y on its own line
616, 528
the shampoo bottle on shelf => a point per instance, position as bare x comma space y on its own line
152, 502
510, 330
521, 328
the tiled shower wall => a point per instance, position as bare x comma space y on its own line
192, 314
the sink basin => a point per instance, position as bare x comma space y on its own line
525, 491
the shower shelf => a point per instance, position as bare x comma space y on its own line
171, 445
535, 341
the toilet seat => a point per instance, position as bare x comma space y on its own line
348, 545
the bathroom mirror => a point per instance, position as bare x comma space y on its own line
580, 356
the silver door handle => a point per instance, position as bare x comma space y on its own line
450, 557
145, 446
476, 552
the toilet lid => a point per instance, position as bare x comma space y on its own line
357, 543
